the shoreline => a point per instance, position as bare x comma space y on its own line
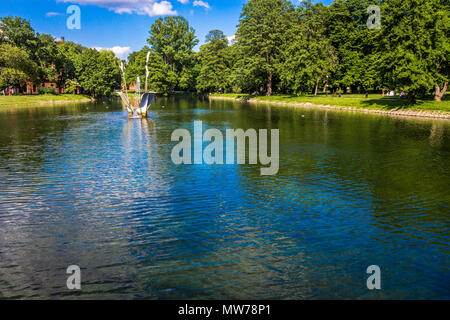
44, 103
394, 112
37, 102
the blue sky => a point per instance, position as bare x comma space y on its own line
124, 24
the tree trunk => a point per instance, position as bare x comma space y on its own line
411, 97
317, 87
440, 93
269, 84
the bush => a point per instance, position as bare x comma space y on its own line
47, 90
71, 86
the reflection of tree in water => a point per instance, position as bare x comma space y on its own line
339, 173
437, 135
26, 132
72, 206
23, 133
395, 161
103, 194
391, 163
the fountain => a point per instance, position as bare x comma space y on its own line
139, 105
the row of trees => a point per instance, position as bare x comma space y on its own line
287, 49
278, 48
30, 57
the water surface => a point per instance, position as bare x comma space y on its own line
82, 184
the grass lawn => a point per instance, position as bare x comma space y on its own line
37, 99
374, 101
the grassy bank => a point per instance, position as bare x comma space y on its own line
41, 99
373, 102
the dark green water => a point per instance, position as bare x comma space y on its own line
84, 185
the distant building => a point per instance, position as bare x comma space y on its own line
29, 88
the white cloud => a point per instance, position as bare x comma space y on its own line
231, 38
142, 7
53, 14
202, 4
120, 52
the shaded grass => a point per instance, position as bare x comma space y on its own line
374, 101
38, 99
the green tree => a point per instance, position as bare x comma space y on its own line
189, 74
67, 55
162, 79
441, 49
414, 47
356, 45
16, 67
47, 57
309, 56
261, 34
136, 65
18, 32
98, 72
173, 39
215, 63
71, 85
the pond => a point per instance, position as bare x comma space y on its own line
83, 185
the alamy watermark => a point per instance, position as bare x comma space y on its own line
374, 21
74, 19
214, 152
74, 280
374, 281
